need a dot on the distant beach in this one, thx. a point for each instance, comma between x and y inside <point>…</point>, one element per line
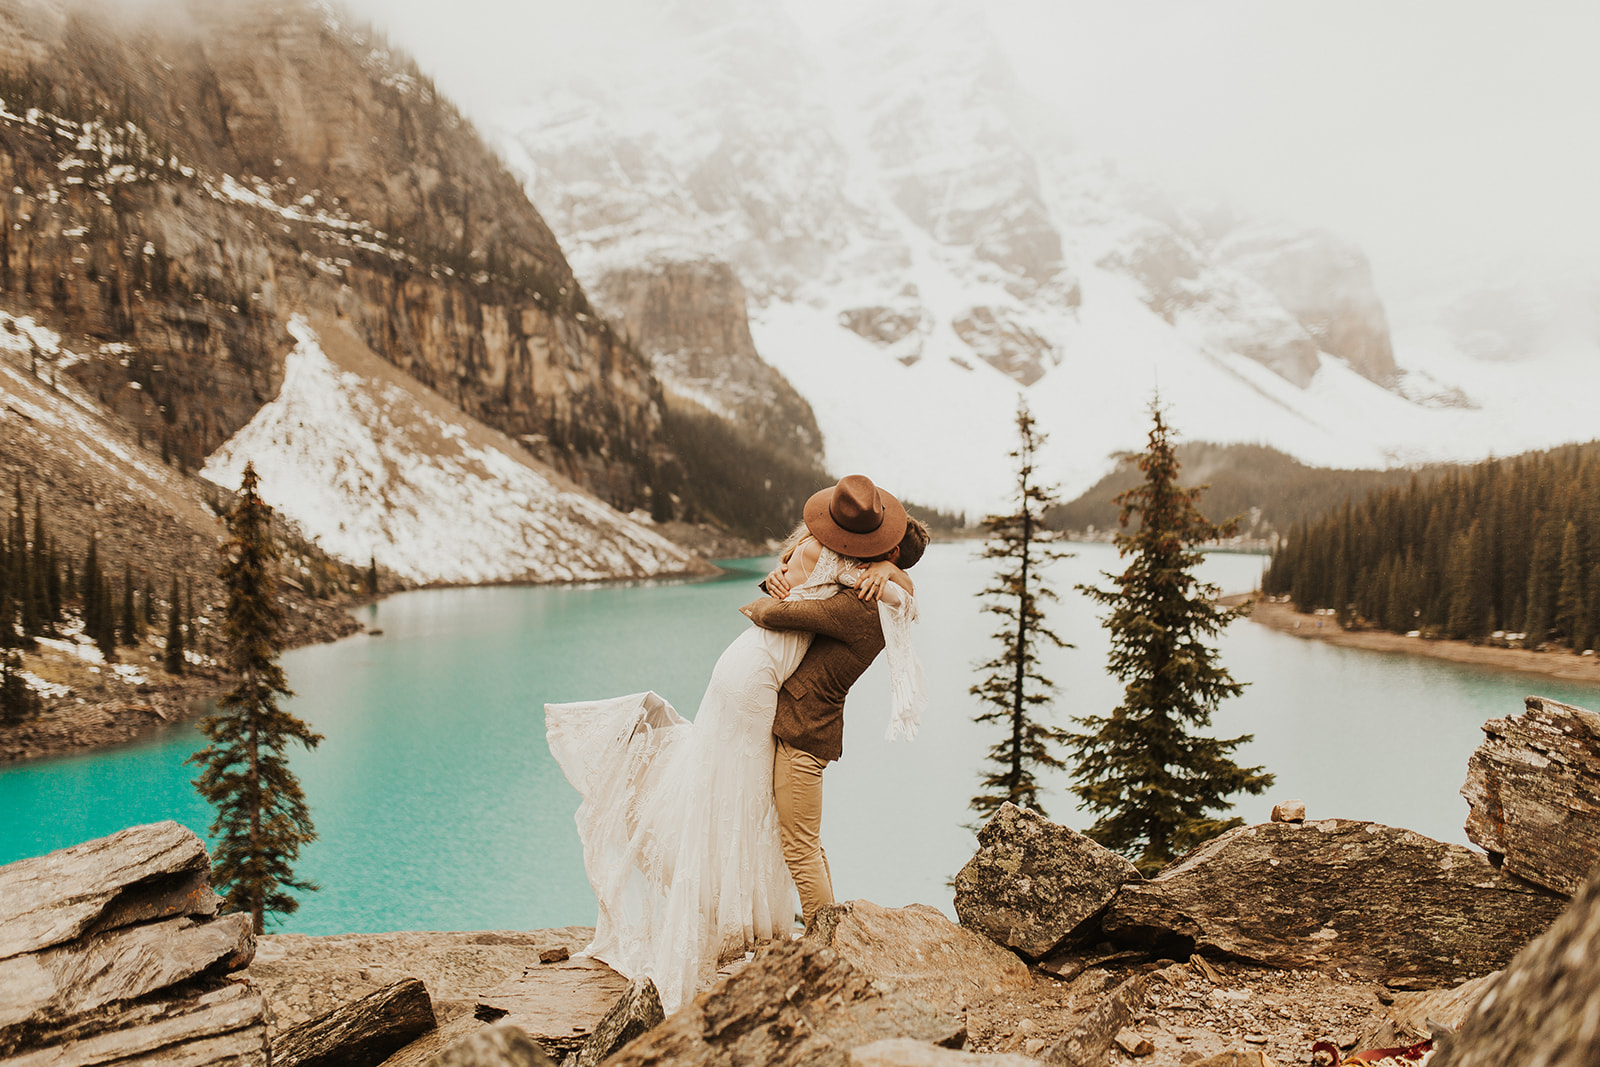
<point>1563,665</point>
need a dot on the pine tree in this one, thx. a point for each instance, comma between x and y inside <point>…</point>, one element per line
<point>91,589</point>
<point>1148,770</point>
<point>128,628</point>
<point>372,577</point>
<point>262,819</point>
<point>1012,687</point>
<point>172,661</point>
<point>1571,611</point>
<point>105,635</point>
<point>18,701</point>
<point>9,638</point>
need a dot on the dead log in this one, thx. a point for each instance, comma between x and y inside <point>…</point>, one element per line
<point>1533,793</point>
<point>1377,901</point>
<point>141,873</point>
<point>363,1033</point>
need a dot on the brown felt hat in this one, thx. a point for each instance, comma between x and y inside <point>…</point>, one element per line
<point>856,518</point>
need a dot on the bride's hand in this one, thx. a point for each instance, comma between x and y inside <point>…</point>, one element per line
<point>873,576</point>
<point>777,584</point>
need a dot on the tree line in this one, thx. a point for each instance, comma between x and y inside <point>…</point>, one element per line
<point>1507,547</point>
<point>46,592</point>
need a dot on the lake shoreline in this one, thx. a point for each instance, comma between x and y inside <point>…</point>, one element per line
<point>1562,665</point>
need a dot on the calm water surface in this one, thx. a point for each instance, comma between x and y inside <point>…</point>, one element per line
<point>438,805</point>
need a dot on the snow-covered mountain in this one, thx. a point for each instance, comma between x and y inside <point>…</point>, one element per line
<point>374,465</point>
<point>921,242</point>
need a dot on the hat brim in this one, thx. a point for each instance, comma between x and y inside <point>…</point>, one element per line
<point>847,542</point>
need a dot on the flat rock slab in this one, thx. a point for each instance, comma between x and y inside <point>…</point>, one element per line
<point>1545,1009</point>
<point>119,965</point>
<point>51,899</point>
<point>1533,793</point>
<point>224,1024</point>
<point>303,977</point>
<point>795,1003</point>
<point>1374,900</point>
<point>558,1004</point>
<point>1033,884</point>
<point>920,952</point>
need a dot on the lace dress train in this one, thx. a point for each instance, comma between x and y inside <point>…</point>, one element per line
<point>679,832</point>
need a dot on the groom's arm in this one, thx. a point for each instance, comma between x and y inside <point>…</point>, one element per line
<point>829,616</point>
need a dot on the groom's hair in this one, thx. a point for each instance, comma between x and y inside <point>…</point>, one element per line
<point>916,539</point>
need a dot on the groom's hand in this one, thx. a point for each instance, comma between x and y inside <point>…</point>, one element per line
<point>754,610</point>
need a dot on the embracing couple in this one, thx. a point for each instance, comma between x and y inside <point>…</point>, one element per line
<point>696,836</point>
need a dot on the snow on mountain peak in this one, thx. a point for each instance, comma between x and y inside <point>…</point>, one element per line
<point>371,464</point>
<point>921,241</point>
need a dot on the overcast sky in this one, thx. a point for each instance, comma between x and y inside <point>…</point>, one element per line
<point>1440,135</point>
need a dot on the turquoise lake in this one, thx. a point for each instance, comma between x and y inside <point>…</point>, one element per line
<point>439,808</point>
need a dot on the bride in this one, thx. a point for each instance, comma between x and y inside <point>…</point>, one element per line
<point>678,825</point>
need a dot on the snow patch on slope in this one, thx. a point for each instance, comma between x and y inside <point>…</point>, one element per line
<point>367,469</point>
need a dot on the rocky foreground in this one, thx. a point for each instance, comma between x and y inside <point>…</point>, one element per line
<point>1290,942</point>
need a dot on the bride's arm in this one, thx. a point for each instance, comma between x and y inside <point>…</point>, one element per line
<point>878,579</point>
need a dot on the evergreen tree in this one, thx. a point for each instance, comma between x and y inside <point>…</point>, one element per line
<point>105,634</point>
<point>1147,770</point>
<point>18,701</point>
<point>128,628</point>
<point>262,819</point>
<point>91,589</point>
<point>172,661</point>
<point>1012,687</point>
<point>1571,611</point>
<point>9,638</point>
<point>372,577</point>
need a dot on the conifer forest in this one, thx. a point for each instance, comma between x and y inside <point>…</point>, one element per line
<point>1504,551</point>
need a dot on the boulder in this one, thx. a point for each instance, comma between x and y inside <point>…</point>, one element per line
<point>1374,900</point>
<point>1545,1010</point>
<point>1533,788</point>
<point>795,1003</point>
<point>1034,886</point>
<point>362,1034</point>
<point>501,1045</point>
<point>637,1011</point>
<point>111,951</point>
<point>921,953</point>
<point>53,898</point>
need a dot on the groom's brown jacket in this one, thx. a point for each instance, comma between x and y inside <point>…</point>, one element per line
<point>810,713</point>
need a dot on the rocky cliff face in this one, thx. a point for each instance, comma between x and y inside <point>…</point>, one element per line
<point>178,186</point>
<point>689,319</point>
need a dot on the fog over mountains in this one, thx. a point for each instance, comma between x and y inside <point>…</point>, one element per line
<point>920,240</point>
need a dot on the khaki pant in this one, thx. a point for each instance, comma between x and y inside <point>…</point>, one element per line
<point>797,791</point>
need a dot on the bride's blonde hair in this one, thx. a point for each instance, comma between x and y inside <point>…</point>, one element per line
<point>792,542</point>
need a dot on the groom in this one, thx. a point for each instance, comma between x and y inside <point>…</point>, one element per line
<point>854,518</point>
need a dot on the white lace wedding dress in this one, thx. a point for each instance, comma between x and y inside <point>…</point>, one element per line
<point>679,831</point>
